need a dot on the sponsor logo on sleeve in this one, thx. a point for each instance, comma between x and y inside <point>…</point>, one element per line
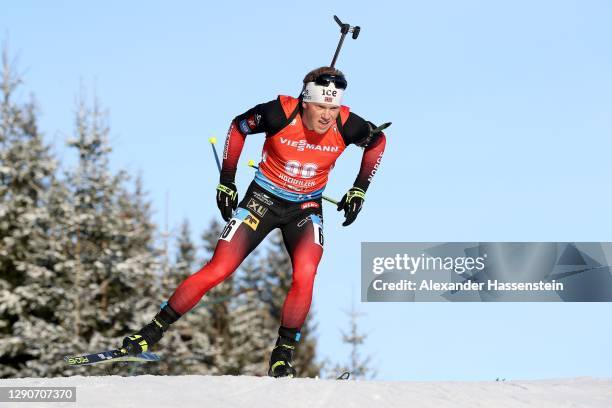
<point>244,127</point>
<point>252,122</point>
<point>227,141</point>
<point>375,169</point>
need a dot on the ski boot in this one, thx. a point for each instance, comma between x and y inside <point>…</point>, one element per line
<point>282,354</point>
<point>151,333</point>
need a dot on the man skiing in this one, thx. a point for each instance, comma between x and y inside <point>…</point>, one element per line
<point>304,137</point>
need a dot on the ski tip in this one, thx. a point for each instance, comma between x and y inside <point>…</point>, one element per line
<point>251,163</point>
<point>212,140</point>
<point>76,360</point>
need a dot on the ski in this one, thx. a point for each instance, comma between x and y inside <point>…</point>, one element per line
<point>344,376</point>
<point>109,356</point>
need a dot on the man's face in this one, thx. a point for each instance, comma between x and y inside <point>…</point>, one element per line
<point>319,116</point>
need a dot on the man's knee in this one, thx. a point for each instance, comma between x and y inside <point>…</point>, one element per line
<point>214,272</point>
<point>304,275</point>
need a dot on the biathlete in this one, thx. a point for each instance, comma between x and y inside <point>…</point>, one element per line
<point>304,137</point>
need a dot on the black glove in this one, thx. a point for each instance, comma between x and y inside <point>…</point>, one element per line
<point>351,203</point>
<point>227,199</point>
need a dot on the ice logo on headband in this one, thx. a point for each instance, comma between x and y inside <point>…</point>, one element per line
<point>322,94</point>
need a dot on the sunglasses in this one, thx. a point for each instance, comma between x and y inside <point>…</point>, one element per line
<point>325,79</point>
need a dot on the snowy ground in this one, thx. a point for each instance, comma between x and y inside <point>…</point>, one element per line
<point>263,392</point>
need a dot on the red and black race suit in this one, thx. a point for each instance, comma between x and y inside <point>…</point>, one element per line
<point>259,213</point>
<point>296,161</point>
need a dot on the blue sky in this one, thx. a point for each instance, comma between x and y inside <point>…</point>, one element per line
<point>501,131</point>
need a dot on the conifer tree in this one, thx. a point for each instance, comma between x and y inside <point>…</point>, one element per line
<point>186,347</point>
<point>186,252</point>
<point>80,269</point>
<point>217,304</point>
<point>358,365</point>
<point>249,320</point>
<point>112,262</point>
<point>31,207</point>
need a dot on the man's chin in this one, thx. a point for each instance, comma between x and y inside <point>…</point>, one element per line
<point>321,130</point>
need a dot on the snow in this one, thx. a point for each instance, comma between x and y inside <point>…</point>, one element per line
<point>264,392</point>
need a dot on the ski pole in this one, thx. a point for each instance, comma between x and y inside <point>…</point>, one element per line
<point>252,164</point>
<point>344,30</point>
<point>212,141</point>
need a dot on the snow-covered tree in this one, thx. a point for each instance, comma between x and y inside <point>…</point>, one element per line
<point>112,260</point>
<point>186,348</point>
<point>217,304</point>
<point>80,268</point>
<point>31,207</point>
<point>250,330</point>
<point>186,252</point>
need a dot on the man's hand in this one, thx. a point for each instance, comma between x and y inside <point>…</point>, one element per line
<point>227,199</point>
<point>351,203</point>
